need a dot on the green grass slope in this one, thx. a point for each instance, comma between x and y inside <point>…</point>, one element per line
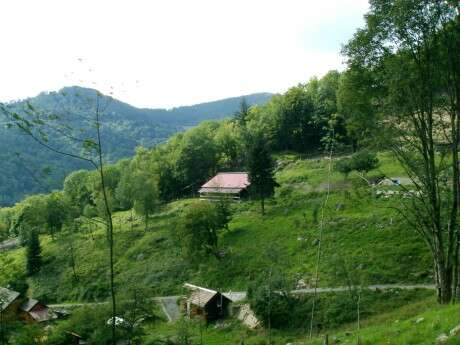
<point>416,323</point>
<point>402,326</point>
<point>364,241</point>
<point>363,237</point>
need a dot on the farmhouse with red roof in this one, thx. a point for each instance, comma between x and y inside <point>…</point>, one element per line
<point>226,184</point>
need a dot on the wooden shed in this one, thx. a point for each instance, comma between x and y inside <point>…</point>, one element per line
<point>10,302</point>
<point>33,311</point>
<point>232,185</point>
<point>208,304</point>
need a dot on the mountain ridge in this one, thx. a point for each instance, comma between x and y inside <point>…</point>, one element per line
<point>25,164</point>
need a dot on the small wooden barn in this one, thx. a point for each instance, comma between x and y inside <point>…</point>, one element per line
<point>73,338</point>
<point>232,185</point>
<point>208,304</point>
<point>33,311</point>
<point>10,303</point>
<point>16,308</point>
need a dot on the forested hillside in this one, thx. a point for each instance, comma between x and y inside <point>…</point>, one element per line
<point>27,169</point>
<point>354,184</point>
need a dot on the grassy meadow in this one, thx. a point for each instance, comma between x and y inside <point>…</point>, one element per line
<point>364,241</point>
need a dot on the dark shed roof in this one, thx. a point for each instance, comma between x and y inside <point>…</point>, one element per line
<point>28,304</point>
<point>201,296</point>
<point>7,297</point>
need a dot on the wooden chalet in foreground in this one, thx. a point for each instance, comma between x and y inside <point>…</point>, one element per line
<point>16,308</point>
<point>208,304</point>
<point>232,185</point>
<point>10,303</point>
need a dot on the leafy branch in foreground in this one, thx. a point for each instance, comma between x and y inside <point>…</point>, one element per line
<point>41,126</point>
<point>412,51</point>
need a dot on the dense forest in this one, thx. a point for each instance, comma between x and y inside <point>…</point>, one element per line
<point>304,119</point>
<point>27,169</point>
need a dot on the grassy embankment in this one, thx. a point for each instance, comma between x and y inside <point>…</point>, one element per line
<point>363,236</point>
<point>360,229</point>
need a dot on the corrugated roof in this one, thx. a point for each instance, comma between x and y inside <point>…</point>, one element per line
<point>200,296</point>
<point>235,180</point>
<point>43,315</point>
<point>28,304</point>
<point>7,297</point>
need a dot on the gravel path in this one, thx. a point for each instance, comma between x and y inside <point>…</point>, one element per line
<point>171,308</point>
<point>370,287</point>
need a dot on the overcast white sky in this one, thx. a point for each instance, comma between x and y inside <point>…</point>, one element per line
<point>164,53</point>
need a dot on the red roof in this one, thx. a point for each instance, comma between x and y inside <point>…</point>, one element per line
<point>233,180</point>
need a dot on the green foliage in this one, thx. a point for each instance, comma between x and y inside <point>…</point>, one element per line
<point>270,300</point>
<point>241,115</point>
<point>33,253</point>
<point>199,226</point>
<point>136,307</point>
<point>88,322</point>
<point>344,166</point>
<point>18,282</point>
<point>30,214</point>
<point>229,141</point>
<point>58,209</point>
<point>364,161</point>
<point>298,129</point>
<point>363,225</point>
<point>124,189</point>
<point>76,188</point>
<point>224,213</point>
<point>28,335</point>
<point>25,167</point>
<point>184,334</point>
<point>357,91</point>
<point>144,185</point>
<point>3,231</point>
<point>261,168</point>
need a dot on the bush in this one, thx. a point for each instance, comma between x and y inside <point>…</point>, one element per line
<point>3,231</point>
<point>364,161</point>
<point>88,322</point>
<point>199,225</point>
<point>27,335</point>
<point>272,303</point>
<point>344,166</point>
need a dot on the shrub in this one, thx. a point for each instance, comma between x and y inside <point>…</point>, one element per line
<point>88,322</point>
<point>364,161</point>
<point>199,225</point>
<point>344,166</point>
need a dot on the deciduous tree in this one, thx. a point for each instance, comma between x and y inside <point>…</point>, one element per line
<point>412,50</point>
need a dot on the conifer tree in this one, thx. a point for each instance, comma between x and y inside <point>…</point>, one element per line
<point>243,112</point>
<point>261,168</point>
<point>33,251</point>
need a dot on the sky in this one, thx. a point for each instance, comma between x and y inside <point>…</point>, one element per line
<point>166,53</point>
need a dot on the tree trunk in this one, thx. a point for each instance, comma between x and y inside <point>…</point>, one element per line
<point>444,277</point>
<point>72,262</point>
<point>131,220</point>
<point>108,212</point>
<point>262,204</point>
<point>2,328</point>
